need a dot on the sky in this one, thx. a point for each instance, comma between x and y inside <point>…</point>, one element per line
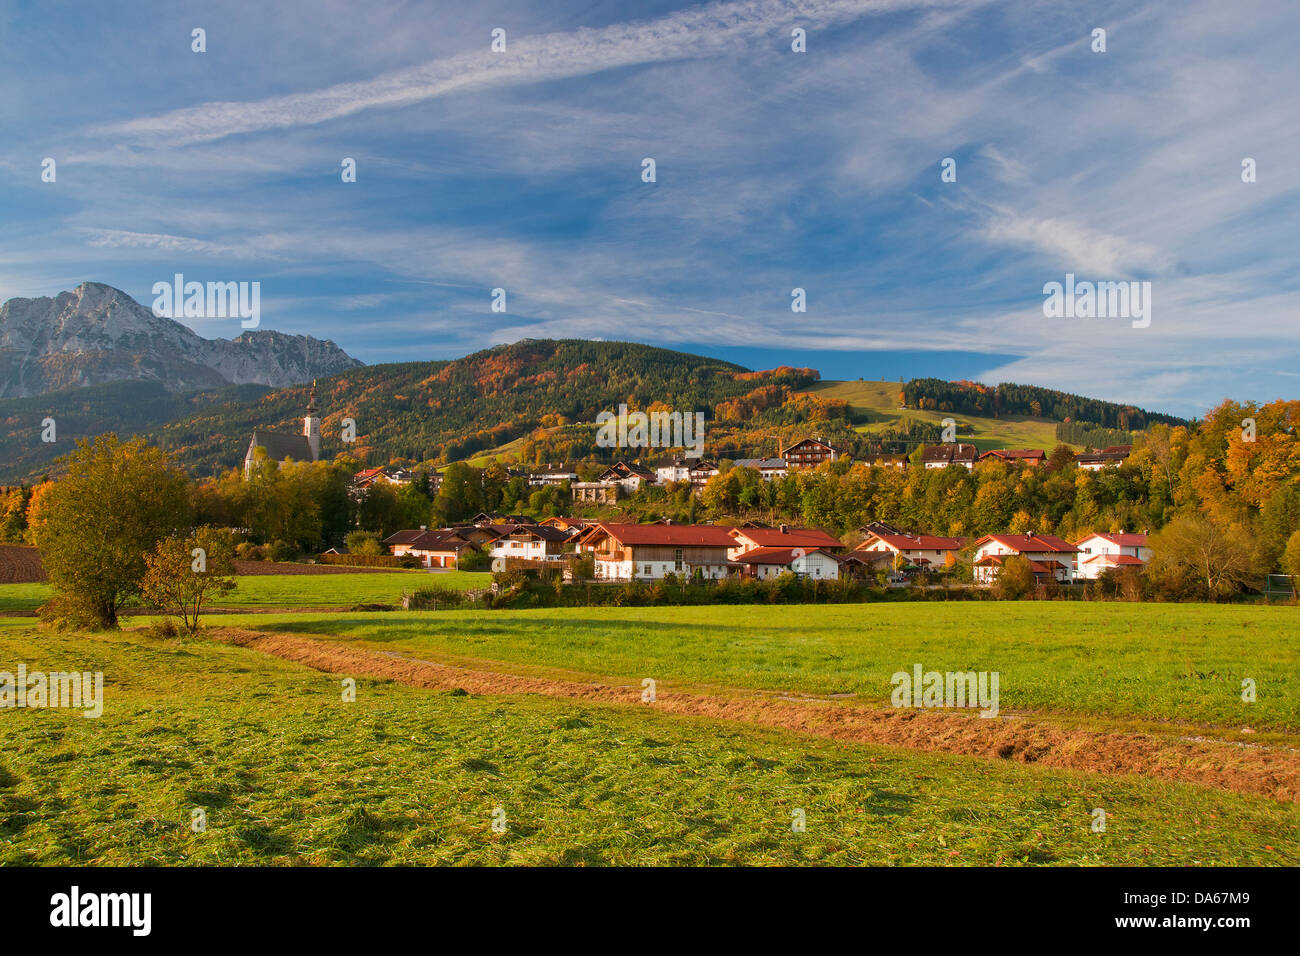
<point>774,170</point>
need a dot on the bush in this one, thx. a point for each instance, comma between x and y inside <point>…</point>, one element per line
<point>434,597</point>
<point>363,543</point>
<point>474,560</point>
<point>283,551</point>
<point>1015,579</point>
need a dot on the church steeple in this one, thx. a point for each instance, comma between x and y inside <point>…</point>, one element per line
<point>311,424</point>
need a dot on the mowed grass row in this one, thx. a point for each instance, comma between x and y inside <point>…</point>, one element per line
<point>1183,663</point>
<point>286,772</point>
<point>294,590</point>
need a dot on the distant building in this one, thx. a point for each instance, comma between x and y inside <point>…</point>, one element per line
<point>280,447</point>
<point>1101,552</point>
<point>625,552</point>
<point>1108,457</point>
<point>434,549</point>
<point>769,468</point>
<point>765,563</point>
<point>810,452</point>
<point>949,454</point>
<point>920,550</point>
<point>1027,456</point>
<point>1050,557</point>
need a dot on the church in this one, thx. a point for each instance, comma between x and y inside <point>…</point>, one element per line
<point>280,447</point>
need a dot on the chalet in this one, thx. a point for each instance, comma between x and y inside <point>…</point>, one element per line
<point>531,542</point>
<point>917,550</point>
<point>768,468</point>
<point>1100,552</point>
<point>948,454</point>
<point>673,469</point>
<point>815,563</point>
<point>809,453</point>
<point>1108,457</point>
<point>1024,456</point>
<point>701,473</point>
<point>1051,558</point>
<point>628,474</point>
<point>746,539</point>
<point>624,552</point>
<point>435,549</point>
<point>279,447</point>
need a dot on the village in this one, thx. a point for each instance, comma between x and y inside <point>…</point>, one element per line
<point>622,552</point>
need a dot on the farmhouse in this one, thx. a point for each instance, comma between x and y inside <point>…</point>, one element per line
<point>1024,456</point>
<point>279,447</point>
<point>435,549</point>
<point>623,552</point>
<point>768,468</point>
<point>701,472</point>
<point>628,474</point>
<point>816,563</point>
<point>1100,552</point>
<point>948,454</point>
<point>531,542</point>
<point>809,453</point>
<point>920,550</point>
<point>746,539</point>
<point>1108,457</point>
<point>1051,558</point>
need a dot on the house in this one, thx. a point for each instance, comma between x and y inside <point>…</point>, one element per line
<point>1050,557</point>
<point>624,552</point>
<point>701,472</point>
<point>628,474</point>
<point>280,447</point>
<point>1109,457</point>
<point>879,527</point>
<point>948,454</point>
<point>363,480</point>
<point>768,468</point>
<point>1100,552</point>
<point>746,539</point>
<point>569,526</point>
<point>918,550</point>
<point>1024,456</point>
<point>435,549</point>
<point>897,462</point>
<point>673,469</point>
<point>551,476</point>
<point>531,542</point>
<point>809,453</point>
<point>815,563</point>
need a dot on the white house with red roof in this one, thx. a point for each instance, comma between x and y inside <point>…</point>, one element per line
<point>1050,557</point>
<point>922,550</point>
<point>815,563</point>
<point>624,552</point>
<point>1102,551</point>
<point>746,539</point>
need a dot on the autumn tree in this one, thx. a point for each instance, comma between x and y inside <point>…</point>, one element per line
<point>1015,579</point>
<point>185,573</point>
<point>96,524</point>
<point>1194,554</point>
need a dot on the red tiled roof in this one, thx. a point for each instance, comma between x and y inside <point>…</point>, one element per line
<point>678,535</point>
<point>1014,453</point>
<point>1116,559</point>
<point>791,537</point>
<point>1030,542</point>
<point>919,542</point>
<point>1122,539</point>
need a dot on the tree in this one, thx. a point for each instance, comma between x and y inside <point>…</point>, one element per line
<point>182,574</point>
<point>1291,557</point>
<point>1015,579</point>
<point>1194,553</point>
<point>95,525</point>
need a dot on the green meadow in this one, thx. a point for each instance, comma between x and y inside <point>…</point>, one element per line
<point>286,772</point>
<point>1177,663</point>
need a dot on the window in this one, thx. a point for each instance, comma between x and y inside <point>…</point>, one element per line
<point>645,569</point>
<point>677,559</point>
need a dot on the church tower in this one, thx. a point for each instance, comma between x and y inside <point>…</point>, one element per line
<point>311,425</point>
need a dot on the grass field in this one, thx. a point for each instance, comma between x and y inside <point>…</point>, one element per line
<point>879,400</point>
<point>1137,662</point>
<point>286,772</point>
<point>293,590</point>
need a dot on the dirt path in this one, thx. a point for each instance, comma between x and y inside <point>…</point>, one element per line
<point>1260,770</point>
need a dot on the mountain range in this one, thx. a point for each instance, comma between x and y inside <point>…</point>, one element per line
<point>97,334</point>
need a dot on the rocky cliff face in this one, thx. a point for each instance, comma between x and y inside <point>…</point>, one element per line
<point>97,334</point>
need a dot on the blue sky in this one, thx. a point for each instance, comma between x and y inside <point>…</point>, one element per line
<point>819,170</point>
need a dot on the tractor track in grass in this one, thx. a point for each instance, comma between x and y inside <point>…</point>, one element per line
<point>1258,770</point>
